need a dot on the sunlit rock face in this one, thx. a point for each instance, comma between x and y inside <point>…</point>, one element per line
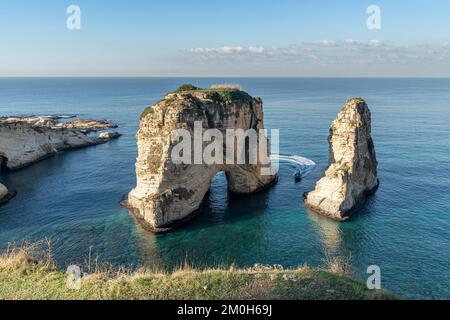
<point>352,173</point>
<point>3,191</point>
<point>167,194</point>
<point>26,140</point>
<point>5,194</point>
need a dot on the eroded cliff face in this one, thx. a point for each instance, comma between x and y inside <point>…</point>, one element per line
<point>352,173</point>
<point>25,140</point>
<point>167,194</point>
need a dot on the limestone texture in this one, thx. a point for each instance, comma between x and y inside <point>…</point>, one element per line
<point>26,140</point>
<point>167,194</point>
<point>3,191</point>
<point>352,172</point>
<point>5,194</point>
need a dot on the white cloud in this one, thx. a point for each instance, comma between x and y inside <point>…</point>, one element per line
<point>314,57</point>
<point>256,49</point>
<point>228,50</point>
<point>346,43</point>
<point>323,43</point>
<point>351,42</point>
<point>376,43</point>
<point>323,53</point>
<point>328,43</point>
<point>355,43</point>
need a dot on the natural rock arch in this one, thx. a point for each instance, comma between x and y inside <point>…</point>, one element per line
<point>169,193</point>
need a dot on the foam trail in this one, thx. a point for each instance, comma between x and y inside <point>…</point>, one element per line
<point>303,166</point>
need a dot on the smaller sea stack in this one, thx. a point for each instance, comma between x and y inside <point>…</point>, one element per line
<point>352,173</point>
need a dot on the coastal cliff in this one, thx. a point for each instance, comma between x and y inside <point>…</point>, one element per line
<point>26,140</point>
<point>167,193</point>
<point>352,173</point>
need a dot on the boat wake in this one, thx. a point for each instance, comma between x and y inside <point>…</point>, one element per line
<point>301,166</point>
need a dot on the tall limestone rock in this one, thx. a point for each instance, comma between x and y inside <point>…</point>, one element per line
<point>168,193</point>
<point>352,173</point>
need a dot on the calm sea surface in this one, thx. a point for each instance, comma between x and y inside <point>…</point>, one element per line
<point>73,198</point>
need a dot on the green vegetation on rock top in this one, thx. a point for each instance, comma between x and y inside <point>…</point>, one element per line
<point>146,111</point>
<point>187,87</point>
<point>217,94</point>
<point>356,100</point>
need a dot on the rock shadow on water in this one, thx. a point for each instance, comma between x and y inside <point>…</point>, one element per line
<point>217,236</point>
<point>350,241</point>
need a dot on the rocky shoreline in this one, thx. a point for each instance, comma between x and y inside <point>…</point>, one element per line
<point>25,140</point>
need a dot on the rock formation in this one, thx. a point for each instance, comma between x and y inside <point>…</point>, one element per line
<point>5,194</point>
<point>167,193</point>
<point>88,125</point>
<point>352,173</point>
<point>25,140</point>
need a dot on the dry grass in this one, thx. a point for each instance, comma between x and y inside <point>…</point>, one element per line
<point>338,264</point>
<point>29,272</point>
<point>28,253</point>
<point>227,86</point>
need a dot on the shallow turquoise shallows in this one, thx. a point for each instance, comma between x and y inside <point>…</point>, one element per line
<point>73,198</point>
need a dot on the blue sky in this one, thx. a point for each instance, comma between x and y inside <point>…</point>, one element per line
<point>225,38</point>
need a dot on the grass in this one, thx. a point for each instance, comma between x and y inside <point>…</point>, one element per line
<point>219,93</point>
<point>356,100</point>
<point>146,111</point>
<point>25,275</point>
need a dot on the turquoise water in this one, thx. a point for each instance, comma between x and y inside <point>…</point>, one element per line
<point>73,198</point>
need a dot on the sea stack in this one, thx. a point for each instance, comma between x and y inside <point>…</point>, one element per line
<point>352,173</point>
<point>167,193</point>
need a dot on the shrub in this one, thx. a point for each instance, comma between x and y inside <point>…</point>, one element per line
<point>187,87</point>
<point>146,112</point>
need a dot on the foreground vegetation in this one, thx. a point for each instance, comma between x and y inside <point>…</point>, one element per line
<point>22,276</point>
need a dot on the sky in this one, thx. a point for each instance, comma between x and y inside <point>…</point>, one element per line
<point>232,38</point>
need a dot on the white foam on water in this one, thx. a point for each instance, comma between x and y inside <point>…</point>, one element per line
<point>303,165</point>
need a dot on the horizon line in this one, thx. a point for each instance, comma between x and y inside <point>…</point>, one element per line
<point>224,77</point>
